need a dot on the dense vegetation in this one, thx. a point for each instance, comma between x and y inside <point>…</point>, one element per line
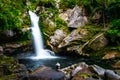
<point>10,15</point>
<point>12,11</point>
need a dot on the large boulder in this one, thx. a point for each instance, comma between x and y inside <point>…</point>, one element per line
<point>111,75</point>
<point>111,54</point>
<point>77,17</point>
<point>10,69</point>
<point>83,71</point>
<point>83,37</point>
<point>58,36</point>
<point>21,72</point>
<point>56,39</point>
<point>46,73</point>
<point>76,35</point>
<point>98,42</point>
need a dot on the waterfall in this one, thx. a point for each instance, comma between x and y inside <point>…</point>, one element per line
<point>41,53</point>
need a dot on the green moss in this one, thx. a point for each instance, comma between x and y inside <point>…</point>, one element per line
<point>8,65</point>
<point>6,60</point>
<point>85,75</point>
<point>89,29</point>
<point>60,22</point>
<point>9,77</point>
<point>65,29</point>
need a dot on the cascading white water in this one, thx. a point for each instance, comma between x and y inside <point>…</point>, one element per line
<point>41,53</point>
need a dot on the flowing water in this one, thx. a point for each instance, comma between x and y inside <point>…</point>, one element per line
<point>41,53</point>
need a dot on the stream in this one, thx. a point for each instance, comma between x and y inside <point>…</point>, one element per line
<point>64,61</point>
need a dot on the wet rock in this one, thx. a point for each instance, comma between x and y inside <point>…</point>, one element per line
<point>111,54</point>
<point>77,17</point>
<point>68,70</point>
<point>46,73</point>
<point>97,69</point>
<point>58,36</point>
<point>80,66</point>
<point>39,69</point>
<point>82,72</point>
<point>21,72</point>
<point>117,71</point>
<point>111,75</point>
<point>98,42</point>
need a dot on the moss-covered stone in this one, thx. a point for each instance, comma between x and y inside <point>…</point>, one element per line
<point>10,69</point>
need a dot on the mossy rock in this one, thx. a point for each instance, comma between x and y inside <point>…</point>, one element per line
<point>8,68</point>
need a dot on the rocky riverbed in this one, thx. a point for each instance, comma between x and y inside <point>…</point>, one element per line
<point>12,70</point>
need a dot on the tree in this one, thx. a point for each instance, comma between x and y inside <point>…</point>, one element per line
<point>11,11</point>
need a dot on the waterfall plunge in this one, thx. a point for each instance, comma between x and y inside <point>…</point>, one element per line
<point>41,53</point>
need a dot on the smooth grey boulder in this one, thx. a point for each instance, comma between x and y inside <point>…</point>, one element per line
<point>111,75</point>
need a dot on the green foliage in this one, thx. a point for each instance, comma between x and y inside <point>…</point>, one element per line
<point>49,12</point>
<point>113,11</point>
<point>71,3</point>
<point>64,4</point>
<point>6,60</point>
<point>65,29</point>
<point>60,22</point>
<point>46,28</point>
<point>47,3</point>
<point>10,14</point>
<point>114,32</point>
